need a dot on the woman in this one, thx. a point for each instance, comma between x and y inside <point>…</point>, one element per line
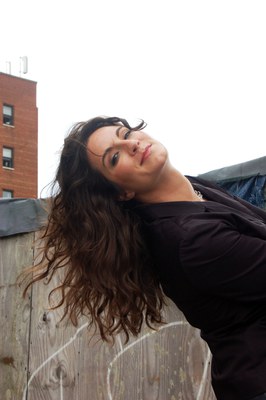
<point>118,187</point>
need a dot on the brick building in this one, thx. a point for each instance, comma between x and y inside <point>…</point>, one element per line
<point>18,137</point>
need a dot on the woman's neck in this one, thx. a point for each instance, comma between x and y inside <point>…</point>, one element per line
<point>171,186</point>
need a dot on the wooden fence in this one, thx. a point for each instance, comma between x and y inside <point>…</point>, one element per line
<point>42,359</point>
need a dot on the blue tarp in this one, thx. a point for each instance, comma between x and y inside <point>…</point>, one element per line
<point>250,189</point>
<point>245,180</point>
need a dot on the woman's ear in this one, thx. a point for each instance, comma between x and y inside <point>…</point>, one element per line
<point>125,196</point>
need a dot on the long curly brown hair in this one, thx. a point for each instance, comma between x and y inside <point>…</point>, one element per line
<point>108,273</point>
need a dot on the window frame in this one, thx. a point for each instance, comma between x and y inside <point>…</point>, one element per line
<point>11,117</point>
<point>10,191</point>
<point>8,159</point>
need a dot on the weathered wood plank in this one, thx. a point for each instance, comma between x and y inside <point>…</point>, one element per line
<point>156,365</point>
<point>15,253</point>
<point>73,363</point>
<point>68,363</point>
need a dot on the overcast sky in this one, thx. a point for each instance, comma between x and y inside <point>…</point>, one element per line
<point>195,71</point>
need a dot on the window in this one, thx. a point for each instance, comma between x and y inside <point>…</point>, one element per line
<point>8,115</point>
<point>7,194</point>
<point>8,157</point>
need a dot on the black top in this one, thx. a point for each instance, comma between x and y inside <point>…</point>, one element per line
<point>211,259</point>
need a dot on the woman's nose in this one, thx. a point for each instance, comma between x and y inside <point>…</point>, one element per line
<point>131,145</point>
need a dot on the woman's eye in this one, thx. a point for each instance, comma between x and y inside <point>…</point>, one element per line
<point>114,159</point>
<point>127,134</point>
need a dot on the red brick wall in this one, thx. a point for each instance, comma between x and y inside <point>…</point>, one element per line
<point>23,137</point>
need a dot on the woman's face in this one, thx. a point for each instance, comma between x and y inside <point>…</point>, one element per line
<point>131,159</point>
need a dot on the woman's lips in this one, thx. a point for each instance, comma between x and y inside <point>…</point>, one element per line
<point>145,153</point>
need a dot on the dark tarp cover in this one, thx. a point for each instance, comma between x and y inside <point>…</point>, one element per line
<point>21,216</point>
<point>250,189</point>
<point>246,180</point>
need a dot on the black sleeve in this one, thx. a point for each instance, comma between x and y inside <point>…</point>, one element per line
<point>220,260</point>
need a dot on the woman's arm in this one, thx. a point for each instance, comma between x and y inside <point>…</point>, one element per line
<point>219,259</point>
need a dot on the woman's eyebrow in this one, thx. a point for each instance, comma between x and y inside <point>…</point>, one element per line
<point>110,148</point>
<point>118,130</point>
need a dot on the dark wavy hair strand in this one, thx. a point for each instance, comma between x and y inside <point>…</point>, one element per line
<point>107,271</point>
